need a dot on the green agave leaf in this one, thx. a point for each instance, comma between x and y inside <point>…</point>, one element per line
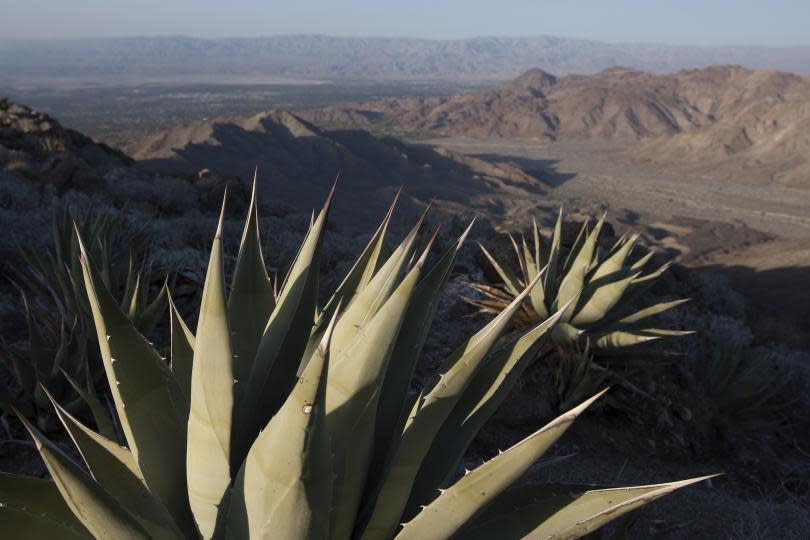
<point>426,420</point>
<point>485,393</point>
<point>284,488</point>
<point>454,507</point>
<point>98,511</point>
<point>576,247</point>
<point>574,279</point>
<point>363,270</point>
<point>614,264</point>
<point>538,244</point>
<point>520,259</point>
<point>407,350</point>
<point>550,279</point>
<point>182,351</point>
<point>516,512</point>
<point>618,339</point>
<point>528,260</point>
<point>601,301</point>
<point>251,299</point>
<point>368,301</point>
<point>208,454</point>
<point>642,261</point>
<point>594,509</point>
<point>100,415</point>
<point>283,343</point>
<point>146,318</point>
<point>133,277</point>
<point>509,279</point>
<point>537,294</point>
<point>146,396</point>
<point>652,310</point>
<point>34,509</point>
<point>352,399</point>
<point>114,468</point>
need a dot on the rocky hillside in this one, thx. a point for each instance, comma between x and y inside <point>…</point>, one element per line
<point>768,140</point>
<point>617,103</point>
<point>41,160</point>
<point>298,162</point>
<point>720,121</point>
<point>35,146</point>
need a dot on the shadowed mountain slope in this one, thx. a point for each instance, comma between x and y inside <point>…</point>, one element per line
<point>298,161</point>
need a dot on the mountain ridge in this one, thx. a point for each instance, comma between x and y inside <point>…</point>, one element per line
<point>319,57</point>
<point>720,121</point>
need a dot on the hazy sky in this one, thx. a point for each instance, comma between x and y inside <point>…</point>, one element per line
<point>764,22</point>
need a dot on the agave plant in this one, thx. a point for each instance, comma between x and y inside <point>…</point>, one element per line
<point>279,419</point>
<point>598,290</point>
<point>61,354</point>
<point>748,388</point>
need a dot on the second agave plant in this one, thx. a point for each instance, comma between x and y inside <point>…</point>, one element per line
<point>597,290</point>
<point>282,419</point>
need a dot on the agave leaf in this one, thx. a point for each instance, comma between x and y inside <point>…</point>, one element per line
<point>538,244</point>
<point>550,279</point>
<point>284,488</point>
<point>574,279</point>
<point>147,317</point>
<point>652,310</point>
<point>520,259</point>
<point>621,338</point>
<point>576,246</point>
<point>352,399</point>
<point>132,311</point>
<point>364,268</point>
<point>146,396</point>
<point>182,351</point>
<point>458,504</point>
<point>610,267</point>
<point>406,353</point>
<point>98,511</point>
<point>478,403</point>
<point>114,468</point>
<point>130,287</point>
<point>537,295</point>
<point>509,279</point>
<point>426,420</point>
<point>283,343</point>
<point>101,417</point>
<point>371,298</point>
<point>516,512</point>
<point>595,508</point>
<point>251,299</point>
<point>208,457</point>
<point>601,301</point>
<point>642,261</point>
<point>34,509</point>
<point>531,266</point>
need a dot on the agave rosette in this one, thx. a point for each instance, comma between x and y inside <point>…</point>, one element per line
<point>280,419</point>
<point>598,290</point>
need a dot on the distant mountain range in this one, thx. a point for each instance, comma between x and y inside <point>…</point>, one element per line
<point>721,121</point>
<point>316,57</point>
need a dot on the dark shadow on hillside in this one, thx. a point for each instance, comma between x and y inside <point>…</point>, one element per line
<point>544,169</point>
<point>777,301</point>
<point>298,163</point>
